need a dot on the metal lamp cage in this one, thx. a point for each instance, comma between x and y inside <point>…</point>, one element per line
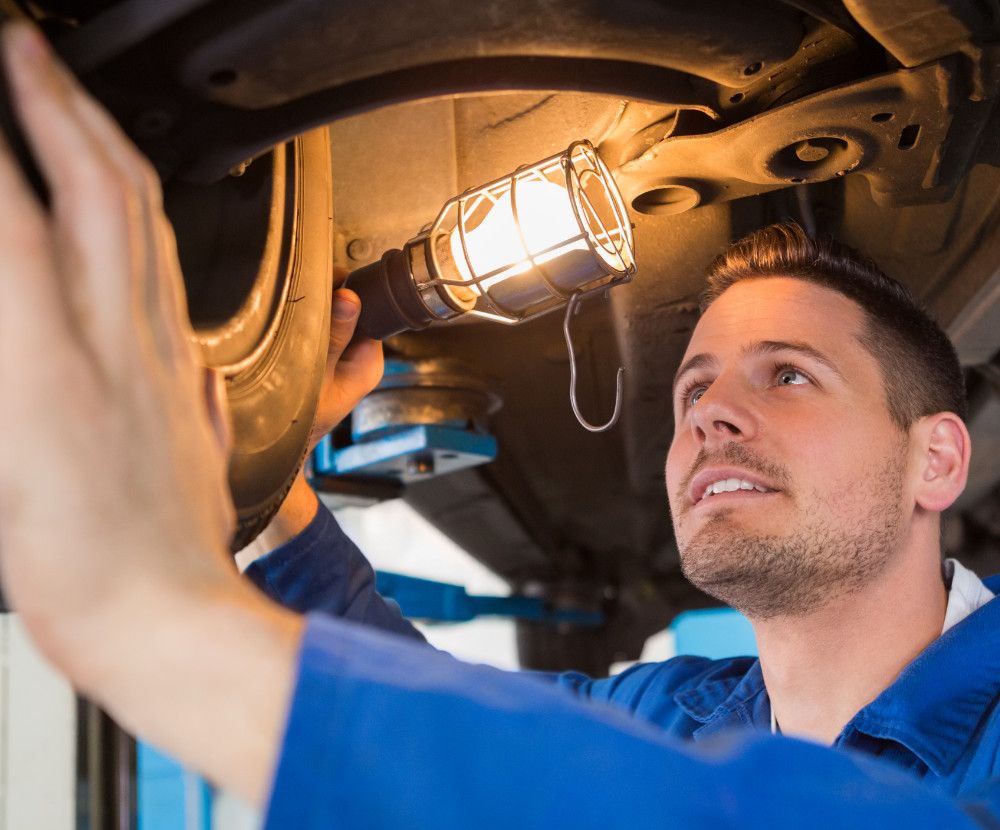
<point>596,251</point>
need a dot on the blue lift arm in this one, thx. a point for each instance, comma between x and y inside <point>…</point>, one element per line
<point>425,599</point>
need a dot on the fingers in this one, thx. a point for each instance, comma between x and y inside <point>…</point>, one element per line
<point>356,361</point>
<point>162,292</point>
<point>360,368</point>
<point>343,319</point>
<point>105,206</point>
<point>24,235</point>
<point>353,365</point>
<point>35,316</point>
<point>33,323</point>
<point>77,175</point>
<point>44,88</point>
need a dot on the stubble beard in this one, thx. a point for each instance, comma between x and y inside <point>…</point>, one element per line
<point>821,559</point>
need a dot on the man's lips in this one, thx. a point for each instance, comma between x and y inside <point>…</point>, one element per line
<point>721,478</point>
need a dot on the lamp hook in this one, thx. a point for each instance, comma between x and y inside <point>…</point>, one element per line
<point>571,307</point>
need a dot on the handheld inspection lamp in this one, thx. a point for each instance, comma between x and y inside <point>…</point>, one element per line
<point>509,250</point>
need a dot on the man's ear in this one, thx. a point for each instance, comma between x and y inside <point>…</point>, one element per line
<point>943,463</point>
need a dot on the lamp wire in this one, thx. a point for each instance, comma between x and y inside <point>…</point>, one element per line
<point>571,308</point>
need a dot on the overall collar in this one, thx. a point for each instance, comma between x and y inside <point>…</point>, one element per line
<point>726,700</point>
<point>935,705</point>
<point>932,708</point>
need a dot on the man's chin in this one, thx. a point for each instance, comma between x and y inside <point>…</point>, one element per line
<point>718,551</point>
<point>738,566</point>
<point>730,525</point>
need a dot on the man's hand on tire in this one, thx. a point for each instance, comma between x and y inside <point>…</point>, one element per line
<point>115,512</point>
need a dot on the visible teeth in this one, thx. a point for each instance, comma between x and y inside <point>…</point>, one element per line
<point>730,485</point>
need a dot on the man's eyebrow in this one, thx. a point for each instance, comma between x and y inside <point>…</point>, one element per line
<point>771,346</point>
<point>704,359</point>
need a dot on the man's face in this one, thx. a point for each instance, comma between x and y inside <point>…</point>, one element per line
<point>776,394</point>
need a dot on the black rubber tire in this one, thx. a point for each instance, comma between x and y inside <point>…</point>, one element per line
<point>274,387</point>
<point>273,401</point>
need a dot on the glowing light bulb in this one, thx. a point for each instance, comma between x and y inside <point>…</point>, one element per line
<point>497,250</point>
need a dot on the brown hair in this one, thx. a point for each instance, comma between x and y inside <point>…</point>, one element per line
<point>920,369</point>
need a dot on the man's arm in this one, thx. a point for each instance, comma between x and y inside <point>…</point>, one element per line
<point>130,590</point>
<point>321,569</point>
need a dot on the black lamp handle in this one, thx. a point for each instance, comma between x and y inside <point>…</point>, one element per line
<point>390,303</point>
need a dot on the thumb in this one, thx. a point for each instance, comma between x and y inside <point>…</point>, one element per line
<point>343,319</point>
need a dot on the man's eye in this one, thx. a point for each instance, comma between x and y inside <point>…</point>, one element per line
<point>693,394</point>
<point>791,377</point>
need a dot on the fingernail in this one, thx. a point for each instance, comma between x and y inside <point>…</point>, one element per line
<point>344,309</point>
<point>27,43</point>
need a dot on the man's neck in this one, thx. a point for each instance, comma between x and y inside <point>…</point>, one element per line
<point>822,668</point>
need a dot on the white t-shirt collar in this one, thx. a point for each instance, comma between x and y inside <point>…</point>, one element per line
<point>966,594</point>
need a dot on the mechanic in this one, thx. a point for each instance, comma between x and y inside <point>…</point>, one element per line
<point>114,519</point>
<point>839,508</point>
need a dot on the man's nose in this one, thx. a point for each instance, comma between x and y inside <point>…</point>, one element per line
<point>723,413</point>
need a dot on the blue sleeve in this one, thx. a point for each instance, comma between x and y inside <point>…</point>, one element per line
<point>646,690</point>
<point>321,569</point>
<point>383,734</point>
